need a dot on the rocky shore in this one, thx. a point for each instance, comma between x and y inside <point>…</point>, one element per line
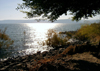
<point>25,62</point>
<point>54,60</point>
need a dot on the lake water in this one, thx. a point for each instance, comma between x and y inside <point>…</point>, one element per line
<point>25,44</point>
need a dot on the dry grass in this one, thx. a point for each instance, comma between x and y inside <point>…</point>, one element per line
<point>95,40</point>
<point>69,50</point>
<point>79,48</point>
<point>42,62</point>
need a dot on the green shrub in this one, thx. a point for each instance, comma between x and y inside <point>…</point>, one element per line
<point>54,39</point>
<point>70,34</point>
<point>5,41</point>
<point>86,33</point>
<point>89,32</point>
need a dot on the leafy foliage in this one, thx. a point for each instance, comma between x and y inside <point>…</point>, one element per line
<point>53,9</point>
<point>54,40</point>
<point>5,41</point>
<point>70,34</point>
<point>89,32</point>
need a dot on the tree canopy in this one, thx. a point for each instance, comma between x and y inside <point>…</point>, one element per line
<point>53,9</point>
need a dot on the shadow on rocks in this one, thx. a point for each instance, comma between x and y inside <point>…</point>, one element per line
<point>85,65</point>
<point>96,53</point>
<point>49,67</point>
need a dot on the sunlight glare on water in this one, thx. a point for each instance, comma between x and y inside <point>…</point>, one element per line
<point>41,29</point>
<point>27,43</point>
<point>38,34</point>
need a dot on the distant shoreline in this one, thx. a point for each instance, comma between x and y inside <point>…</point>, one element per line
<point>46,21</point>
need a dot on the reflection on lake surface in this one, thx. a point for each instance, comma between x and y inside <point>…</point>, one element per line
<point>39,31</point>
<point>27,35</point>
<point>37,34</point>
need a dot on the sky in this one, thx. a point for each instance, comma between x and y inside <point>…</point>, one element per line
<point>8,11</point>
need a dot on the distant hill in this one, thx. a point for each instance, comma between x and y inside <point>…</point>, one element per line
<point>69,21</point>
<point>19,21</point>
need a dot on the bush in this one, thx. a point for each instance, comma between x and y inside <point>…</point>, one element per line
<point>89,32</point>
<point>5,41</point>
<point>70,34</point>
<point>54,39</point>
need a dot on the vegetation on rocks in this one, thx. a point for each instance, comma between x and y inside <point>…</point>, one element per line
<point>75,57</point>
<point>55,40</point>
<point>87,32</point>
<point>5,41</point>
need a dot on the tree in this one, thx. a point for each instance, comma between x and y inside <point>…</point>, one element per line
<point>53,9</point>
